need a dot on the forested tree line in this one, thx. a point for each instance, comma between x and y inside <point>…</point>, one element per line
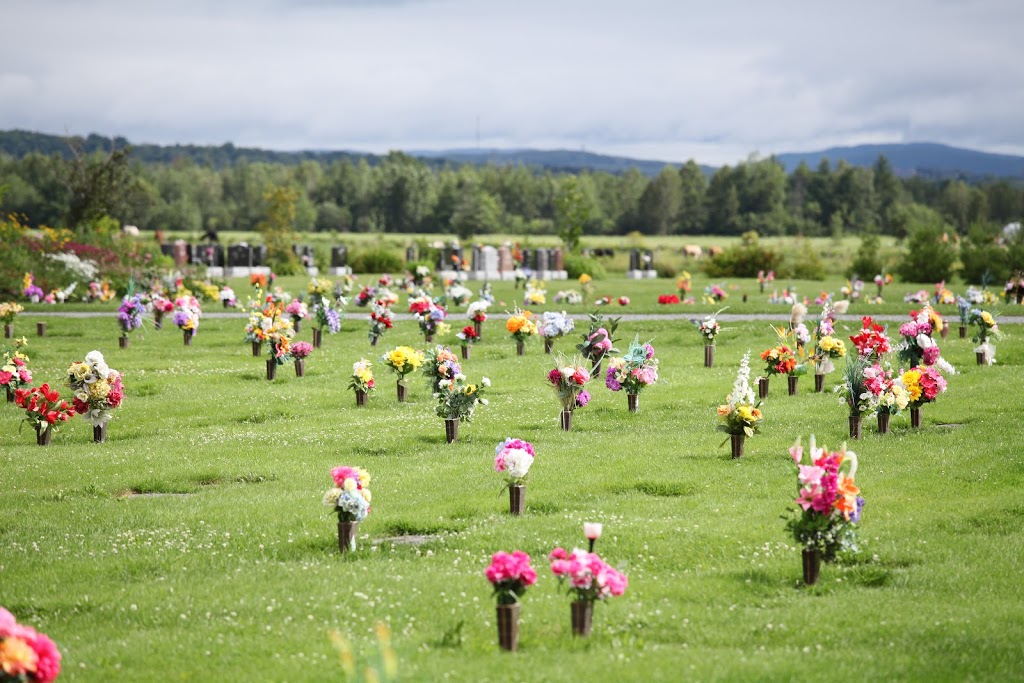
<point>402,194</point>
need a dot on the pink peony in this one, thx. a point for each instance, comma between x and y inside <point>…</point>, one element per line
<point>5,377</point>
<point>555,376</point>
<point>340,474</point>
<point>48,663</point>
<point>931,354</point>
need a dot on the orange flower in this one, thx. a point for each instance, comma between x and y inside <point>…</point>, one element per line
<point>724,410</point>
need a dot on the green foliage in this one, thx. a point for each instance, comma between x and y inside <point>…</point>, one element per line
<point>803,262</point>
<point>379,259</point>
<point>982,258</point>
<point>744,259</point>
<point>929,255</point>
<point>571,212</point>
<point>576,265</point>
<point>868,261</point>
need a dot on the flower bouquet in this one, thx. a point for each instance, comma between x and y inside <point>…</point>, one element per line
<point>568,296</point>
<point>14,372</point>
<point>881,281</point>
<point>343,287</point>
<point>456,401</point>
<point>871,342</point>
<point>402,360</point>
<point>764,278</point>
<point>569,379</point>
<point>258,281</point>
<point>709,330</point>
<point>298,311</point>
<point>25,654</point>
<point>97,392</point>
<point>187,312</point>
<point>554,325</point>
<point>666,299</point>
<point>918,345</point>
<point>458,294</point>
<point>300,352</point>
<point>853,288</point>
<point>599,340</point>
<point>380,321</point>
<point>886,393</point>
<point>9,310</point>
<point>781,359</point>
<point>635,371</point>
<point>514,457</point>
<point>325,315</point>
<point>477,312</point>
<point>923,385</point>
<point>715,294</point>
<point>589,579</point>
<point>43,410</point>
<point>510,574</point>
<point>422,277</point>
<point>440,363</point>
<point>827,347</point>
<point>740,416</point>
<point>362,380</point>
<point>161,306</point>
<point>467,337</point>
<point>227,297</point>
<point>535,294</point>
<point>366,295</point>
<point>350,498</point>
<point>828,505</point>
<point>129,317</point>
<point>521,326</point>
<point>684,284</point>
<point>430,317</point>
<point>319,287</point>
<point>988,329</point>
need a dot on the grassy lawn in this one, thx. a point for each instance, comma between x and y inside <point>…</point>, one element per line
<point>234,572</point>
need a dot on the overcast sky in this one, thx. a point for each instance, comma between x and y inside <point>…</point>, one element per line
<point>658,79</point>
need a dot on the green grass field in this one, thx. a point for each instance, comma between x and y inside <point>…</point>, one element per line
<point>233,573</point>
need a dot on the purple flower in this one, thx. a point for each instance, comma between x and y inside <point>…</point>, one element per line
<point>855,515</point>
<point>333,321</point>
<point>610,381</point>
<point>648,351</point>
<point>583,398</point>
<point>180,318</point>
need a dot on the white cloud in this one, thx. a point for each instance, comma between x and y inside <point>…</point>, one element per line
<point>656,78</point>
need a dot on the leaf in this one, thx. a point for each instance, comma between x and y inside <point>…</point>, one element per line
<point>748,431</point>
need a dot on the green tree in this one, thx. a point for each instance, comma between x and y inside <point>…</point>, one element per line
<point>929,255</point>
<point>476,212</point>
<point>691,215</point>
<point>571,212</point>
<point>278,229</point>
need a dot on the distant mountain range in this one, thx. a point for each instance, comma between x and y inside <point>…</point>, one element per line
<point>926,159</point>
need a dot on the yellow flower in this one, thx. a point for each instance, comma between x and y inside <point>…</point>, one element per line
<point>584,279</point>
<point>746,413</point>
<point>987,318</point>
<point>79,370</point>
<point>470,389</point>
<point>99,389</point>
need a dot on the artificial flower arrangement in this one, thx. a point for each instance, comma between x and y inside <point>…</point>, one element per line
<point>708,328</point>
<point>325,314</point>
<point>944,295</point>
<point>535,294</point>
<point>827,347</point>
<point>568,296</point>
<point>129,314</point>
<point>740,415</point>
<point>569,380</point>
<point>14,372</point>
<point>510,574</point>
<point>468,336</point>
<point>319,286</point>
<point>1013,291</point>
<point>634,371</point>
<point>385,280</point>
<point>99,291</point>
<point>161,306</point>
<point>31,290</point>
<point>344,285</point>
<point>366,296</point>
<point>588,579</point>
<point>187,312</point>
<point>430,316</point>
<point>513,458</point>
<point>350,498</point>
<point>852,290</point>
<point>362,381</point>
<point>553,325</point>
<point>98,390</point>
<point>887,395</point>
<point>781,359</point>
<point>684,284</point>
<point>521,326</point>
<point>919,297</point>
<point>871,342</point>
<point>297,311</point>
<point>300,351</point>
<point>918,345</point>
<point>9,310</point>
<point>258,281</point>
<point>587,284</point>
<point>923,385</point>
<point>882,281</point>
<point>477,311</point>
<point>764,278</point>
<point>667,299</point>
<point>987,330</point>
<point>599,340</point>
<point>457,400</point>
<point>439,363</point>
<point>458,294</point>
<point>44,408</point>
<point>714,294</point>
<point>25,654</point>
<point>486,292</point>
<point>227,297</point>
<point>380,321</point>
<point>828,505</point>
<point>422,277</point>
<point>403,360</point>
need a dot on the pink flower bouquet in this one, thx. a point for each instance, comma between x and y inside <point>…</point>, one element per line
<point>588,576</point>
<point>510,574</point>
<point>26,654</point>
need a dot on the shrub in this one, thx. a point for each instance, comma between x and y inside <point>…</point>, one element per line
<point>983,259</point>
<point>576,265</point>
<point>744,259</point>
<point>666,269</point>
<point>803,262</point>
<point>376,260</point>
<point>868,262</point>
<point>929,256</point>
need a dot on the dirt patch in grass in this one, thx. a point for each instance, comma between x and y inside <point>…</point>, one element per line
<point>663,489</point>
